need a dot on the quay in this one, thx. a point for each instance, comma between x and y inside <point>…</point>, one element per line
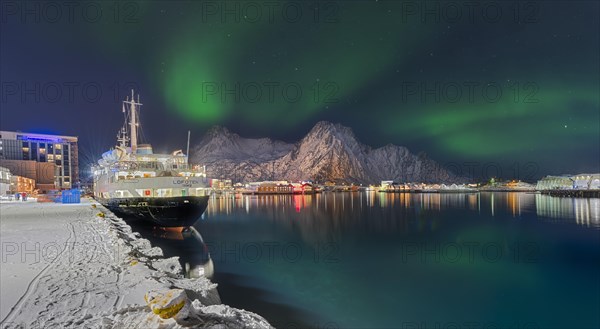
<point>79,265</point>
<point>573,193</point>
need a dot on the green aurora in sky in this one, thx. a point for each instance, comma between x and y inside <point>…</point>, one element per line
<point>351,63</point>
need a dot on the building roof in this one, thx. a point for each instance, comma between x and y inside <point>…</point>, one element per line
<point>14,134</point>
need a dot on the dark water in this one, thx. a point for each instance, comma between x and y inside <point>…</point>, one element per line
<point>371,260</point>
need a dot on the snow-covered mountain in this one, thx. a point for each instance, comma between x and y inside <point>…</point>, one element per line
<point>329,152</point>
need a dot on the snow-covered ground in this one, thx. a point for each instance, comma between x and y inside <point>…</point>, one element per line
<point>77,265</point>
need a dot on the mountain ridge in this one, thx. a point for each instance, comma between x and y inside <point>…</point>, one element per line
<point>328,152</point>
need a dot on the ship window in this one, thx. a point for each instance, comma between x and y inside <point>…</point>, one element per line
<point>123,193</point>
<point>164,192</point>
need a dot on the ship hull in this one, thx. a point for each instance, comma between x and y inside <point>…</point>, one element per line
<point>165,212</point>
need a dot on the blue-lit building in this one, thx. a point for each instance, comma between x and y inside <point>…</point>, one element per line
<point>62,151</point>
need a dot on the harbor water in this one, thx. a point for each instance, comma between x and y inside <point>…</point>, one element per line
<point>406,260</point>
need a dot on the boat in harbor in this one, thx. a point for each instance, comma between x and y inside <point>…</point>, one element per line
<point>134,182</point>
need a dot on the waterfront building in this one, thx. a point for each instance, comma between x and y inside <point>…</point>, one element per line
<point>280,187</point>
<point>570,182</point>
<point>43,173</point>
<point>20,184</point>
<point>5,176</point>
<point>221,184</point>
<point>59,151</point>
<point>269,187</point>
<point>301,188</point>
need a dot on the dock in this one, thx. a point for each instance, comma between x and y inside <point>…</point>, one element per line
<point>573,193</point>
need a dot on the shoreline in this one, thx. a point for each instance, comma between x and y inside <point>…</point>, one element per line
<point>555,193</point>
<point>572,193</point>
<point>79,264</point>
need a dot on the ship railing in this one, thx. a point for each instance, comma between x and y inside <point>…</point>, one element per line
<point>138,165</point>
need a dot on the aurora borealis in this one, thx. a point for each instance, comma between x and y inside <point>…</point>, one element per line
<point>511,83</point>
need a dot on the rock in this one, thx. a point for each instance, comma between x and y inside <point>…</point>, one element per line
<point>329,152</point>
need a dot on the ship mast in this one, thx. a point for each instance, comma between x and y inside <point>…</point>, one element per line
<point>133,122</point>
<point>187,151</point>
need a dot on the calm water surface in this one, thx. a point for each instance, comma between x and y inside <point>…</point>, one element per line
<point>372,260</point>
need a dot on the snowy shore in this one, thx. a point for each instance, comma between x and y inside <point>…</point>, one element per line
<point>78,265</point>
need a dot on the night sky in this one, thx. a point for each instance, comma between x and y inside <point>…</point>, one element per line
<point>508,86</point>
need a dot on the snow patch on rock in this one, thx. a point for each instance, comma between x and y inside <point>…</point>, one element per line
<point>329,152</point>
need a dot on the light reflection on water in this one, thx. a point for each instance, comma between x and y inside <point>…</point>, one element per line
<point>546,277</point>
<point>582,211</point>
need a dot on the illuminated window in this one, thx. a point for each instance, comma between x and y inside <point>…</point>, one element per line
<point>58,146</point>
<point>164,192</point>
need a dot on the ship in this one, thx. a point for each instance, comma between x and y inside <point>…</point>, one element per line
<point>135,183</point>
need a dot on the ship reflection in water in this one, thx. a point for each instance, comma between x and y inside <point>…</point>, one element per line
<point>354,259</point>
<point>188,245</point>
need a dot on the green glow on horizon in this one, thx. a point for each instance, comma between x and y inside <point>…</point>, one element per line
<point>505,127</point>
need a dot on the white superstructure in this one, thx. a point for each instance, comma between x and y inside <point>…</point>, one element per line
<point>132,170</point>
